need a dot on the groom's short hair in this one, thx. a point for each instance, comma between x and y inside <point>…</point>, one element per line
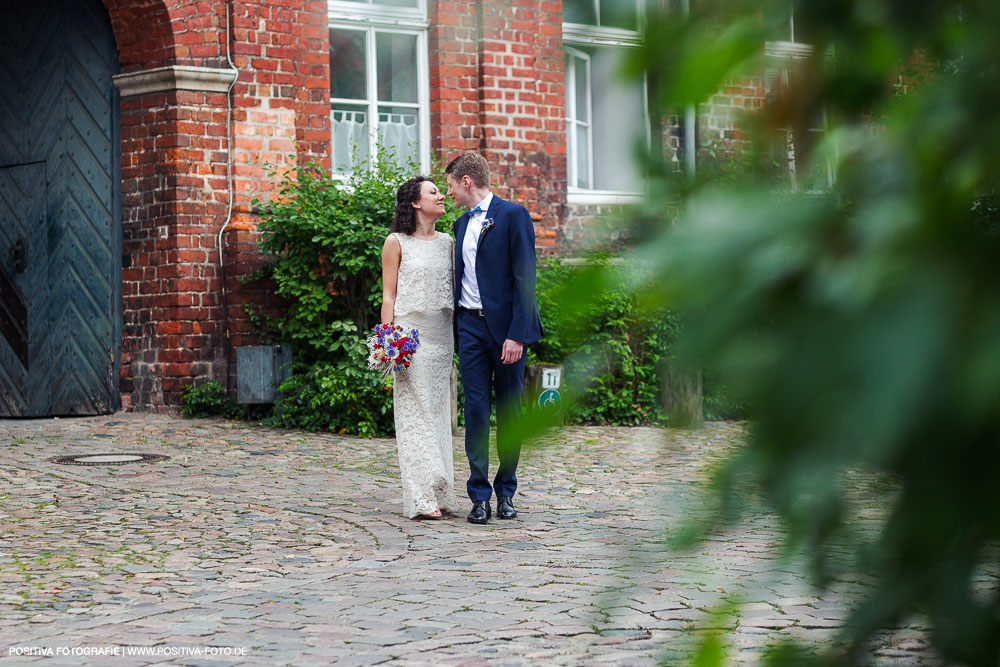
<point>472,165</point>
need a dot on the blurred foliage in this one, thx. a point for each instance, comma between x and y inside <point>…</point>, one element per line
<point>323,239</point>
<point>611,346</point>
<point>861,322</point>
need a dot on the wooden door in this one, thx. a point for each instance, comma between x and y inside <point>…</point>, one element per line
<point>60,222</point>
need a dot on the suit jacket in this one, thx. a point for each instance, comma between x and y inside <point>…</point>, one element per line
<point>505,269</point>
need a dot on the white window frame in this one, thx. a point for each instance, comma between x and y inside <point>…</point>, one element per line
<point>372,19</point>
<point>339,11</point>
<point>577,35</point>
<point>590,32</point>
<point>573,121</point>
<point>580,33</point>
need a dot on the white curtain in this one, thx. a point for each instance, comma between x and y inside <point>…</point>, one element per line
<point>398,132</point>
<point>350,130</point>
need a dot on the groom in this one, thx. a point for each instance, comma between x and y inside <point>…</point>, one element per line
<point>496,316</point>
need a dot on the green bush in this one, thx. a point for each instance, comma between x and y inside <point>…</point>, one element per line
<point>719,401</point>
<point>343,398</point>
<point>209,400</point>
<point>323,238</point>
<point>609,348</point>
<point>611,344</point>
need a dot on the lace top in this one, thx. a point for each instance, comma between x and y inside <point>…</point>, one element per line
<point>425,280</point>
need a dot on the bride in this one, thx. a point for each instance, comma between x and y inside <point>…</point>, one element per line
<point>417,293</point>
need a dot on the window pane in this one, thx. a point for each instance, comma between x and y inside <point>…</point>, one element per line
<point>399,133</point>
<point>811,164</point>
<point>802,31</point>
<point>582,107</point>
<point>347,64</point>
<point>619,122</point>
<point>582,163</point>
<point>778,20</point>
<point>349,125</point>
<point>568,74</point>
<point>619,14</point>
<point>579,11</point>
<point>397,67</point>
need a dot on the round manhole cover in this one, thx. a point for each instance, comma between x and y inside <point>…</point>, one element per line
<point>107,459</point>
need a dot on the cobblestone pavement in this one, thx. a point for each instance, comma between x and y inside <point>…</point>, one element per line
<point>256,546</point>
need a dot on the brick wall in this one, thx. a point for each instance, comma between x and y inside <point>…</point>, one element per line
<point>594,227</point>
<point>496,71</point>
<point>174,194</point>
<point>175,150</point>
<point>722,119</point>
<point>281,116</point>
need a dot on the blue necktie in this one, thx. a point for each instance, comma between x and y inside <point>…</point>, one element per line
<point>473,211</point>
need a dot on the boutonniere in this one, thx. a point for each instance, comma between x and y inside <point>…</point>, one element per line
<point>487,225</point>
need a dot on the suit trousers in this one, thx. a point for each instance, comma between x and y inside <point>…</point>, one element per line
<point>483,375</point>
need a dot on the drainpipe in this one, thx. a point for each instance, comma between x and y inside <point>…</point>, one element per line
<point>229,183</point>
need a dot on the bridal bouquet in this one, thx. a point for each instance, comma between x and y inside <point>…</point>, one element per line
<point>390,349</point>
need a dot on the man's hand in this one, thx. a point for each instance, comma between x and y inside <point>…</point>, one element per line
<point>512,351</point>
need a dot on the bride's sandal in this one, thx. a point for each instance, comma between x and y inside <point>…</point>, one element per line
<point>436,514</point>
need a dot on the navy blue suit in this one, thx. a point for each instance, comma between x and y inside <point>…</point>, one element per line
<point>505,271</point>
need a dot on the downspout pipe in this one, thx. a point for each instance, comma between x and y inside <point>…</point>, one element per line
<point>229,184</point>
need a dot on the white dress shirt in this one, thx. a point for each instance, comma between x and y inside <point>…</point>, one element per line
<point>469,297</point>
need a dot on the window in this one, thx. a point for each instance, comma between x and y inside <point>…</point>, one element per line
<point>623,14</point>
<point>578,126</point>
<point>605,115</point>
<point>781,27</point>
<point>378,83</point>
<point>792,148</point>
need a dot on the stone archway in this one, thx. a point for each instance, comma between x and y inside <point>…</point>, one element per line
<point>143,31</point>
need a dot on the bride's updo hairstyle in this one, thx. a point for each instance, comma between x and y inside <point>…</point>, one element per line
<point>405,220</point>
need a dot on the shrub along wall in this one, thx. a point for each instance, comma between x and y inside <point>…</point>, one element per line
<point>610,342</point>
<point>323,240</point>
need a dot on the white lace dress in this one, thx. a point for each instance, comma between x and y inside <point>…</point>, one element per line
<point>422,393</point>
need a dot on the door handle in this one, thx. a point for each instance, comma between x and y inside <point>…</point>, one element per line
<point>17,256</point>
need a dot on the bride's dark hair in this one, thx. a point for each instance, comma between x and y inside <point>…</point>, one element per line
<point>405,220</point>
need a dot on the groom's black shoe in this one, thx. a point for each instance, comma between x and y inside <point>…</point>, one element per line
<point>480,511</point>
<point>505,508</point>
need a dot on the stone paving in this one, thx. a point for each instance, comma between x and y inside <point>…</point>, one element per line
<point>257,546</point>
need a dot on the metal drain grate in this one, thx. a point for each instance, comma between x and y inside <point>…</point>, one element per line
<point>107,459</point>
